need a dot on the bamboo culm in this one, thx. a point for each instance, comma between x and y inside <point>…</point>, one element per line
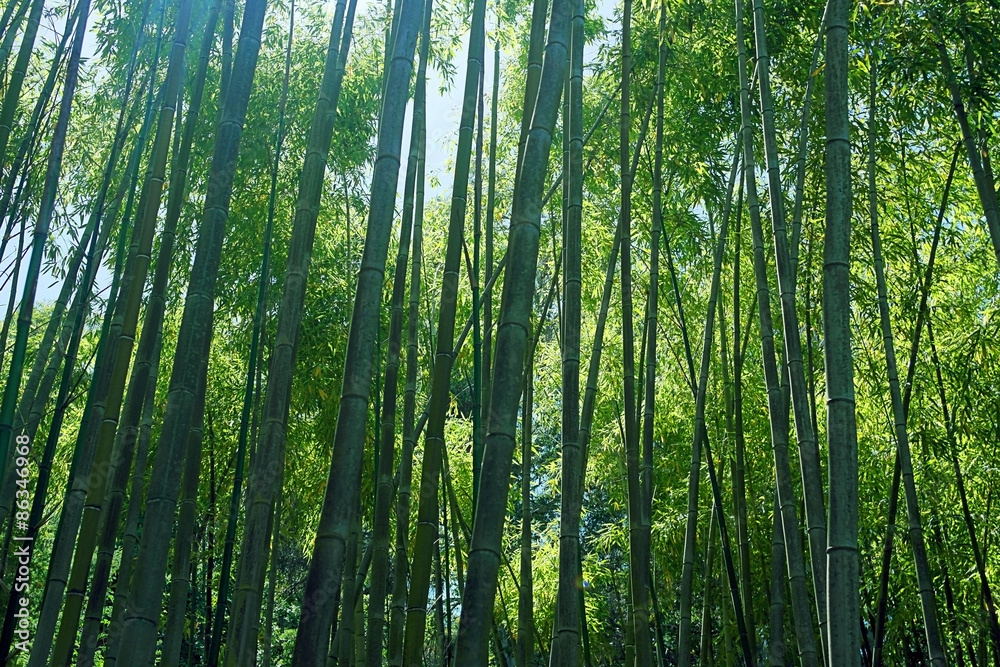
<point>512,335</point>
<point>325,570</point>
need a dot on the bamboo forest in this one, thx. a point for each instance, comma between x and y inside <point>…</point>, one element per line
<point>456,333</point>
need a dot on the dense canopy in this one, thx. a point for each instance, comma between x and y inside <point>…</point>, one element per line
<point>480,333</point>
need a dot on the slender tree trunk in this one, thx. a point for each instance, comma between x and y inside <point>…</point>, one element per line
<point>180,581</point>
<point>527,631</point>
<point>359,616</point>
<point>400,559</point>
<point>707,655</point>
<point>987,193</point>
<point>384,485</point>
<point>566,631</point>
<point>934,646</point>
<point>882,604</point>
<point>12,95</point>
<point>526,596</point>
<point>191,358</point>
<point>533,74</point>
<point>881,610</point>
<point>226,64</point>
<point>652,314</point>
<point>776,406</point>
<point>333,640</point>
<point>437,647</point>
<point>100,366</point>
<point>192,610</point>
<point>486,299</point>
<point>272,581</point>
<point>776,618</point>
<point>809,464</point>
<point>512,339</point>
<point>800,171</point>
<point>345,630</point>
<point>734,584</point>
<point>638,550</point>
<point>443,360</point>
<point>949,596</point>
<point>571,622</point>
<point>459,528</point>
<point>208,535</point>
<point>446,602</point>
<point>844,639</point>
<point>263,282</point>
<point>323,580</point>
<point>733,390</point>
<point>949,417</point>
<point>474,283</point>
<point>49,355</point>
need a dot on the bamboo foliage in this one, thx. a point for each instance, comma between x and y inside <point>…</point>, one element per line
<point>146,474</point>
<point>13,14</point>
<point>977,552</point>
<point>16,170</point>
<point>978,162</point>
<point>934,646</point>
